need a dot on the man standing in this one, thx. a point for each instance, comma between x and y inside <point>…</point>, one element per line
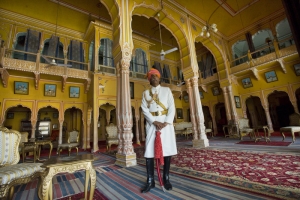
<point>159,111</point>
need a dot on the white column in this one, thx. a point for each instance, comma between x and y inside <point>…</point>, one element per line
<point>192,110</point>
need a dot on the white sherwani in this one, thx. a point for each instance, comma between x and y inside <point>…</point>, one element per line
<point>168,138</point>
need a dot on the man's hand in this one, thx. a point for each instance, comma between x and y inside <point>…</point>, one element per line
<point>160,125</point>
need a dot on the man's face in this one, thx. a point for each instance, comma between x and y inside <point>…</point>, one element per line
<point>154,80</point>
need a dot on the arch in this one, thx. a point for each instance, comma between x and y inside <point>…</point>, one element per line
<point>73,106</point>
<point>261,37</point>
<point>106,102</point>
<point>138,61</point>
<point>172,25</point>
<point>283,29</point>
<point>239,49</point>
<point>19,44</point>
<point>255,112</point>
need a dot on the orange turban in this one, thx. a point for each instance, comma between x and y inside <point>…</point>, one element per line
<point>153,71</point>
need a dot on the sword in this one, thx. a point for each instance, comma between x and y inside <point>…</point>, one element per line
<point>159,158</point>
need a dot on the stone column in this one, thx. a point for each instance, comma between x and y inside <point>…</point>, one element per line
<point>118,109</point>
<point>88,134</point>
<point>137,134</point>
<point>269,121</point>
<point>33,124</point>
<point>142,127</point>
<point>61,122</point>
<point>234,115</point>
<point>294,103</point>
<point>192,111</point>
<point>203,141</point>
<point>125,155</point>
<point>227,105</point>
<point>213,116</point>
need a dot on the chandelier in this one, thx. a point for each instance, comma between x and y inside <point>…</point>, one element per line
<point>207,29</point>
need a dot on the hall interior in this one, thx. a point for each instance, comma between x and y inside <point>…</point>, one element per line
<point>61,59</point>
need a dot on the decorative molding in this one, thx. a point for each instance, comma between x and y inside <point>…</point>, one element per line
<point>255,72</point>
<point>4,76</point>
<point>37,78</point>
<point>282,64</point>
<point>230,10</point>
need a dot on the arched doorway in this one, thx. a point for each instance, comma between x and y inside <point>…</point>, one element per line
<point>280,108</point>
<point>207,116</point>
<point>18,118</point>
<point>221,118</point>
<point>47,117</point>
<point>73,121</point>
<point>255,112</point>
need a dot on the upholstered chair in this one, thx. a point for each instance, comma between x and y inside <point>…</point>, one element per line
<point>73,142</point>
<point>294,126</point>
<point>111,136</point>
<point>209,129</point>
<point>11,173</point>
<point>244,128</point>
<point>24,138</point>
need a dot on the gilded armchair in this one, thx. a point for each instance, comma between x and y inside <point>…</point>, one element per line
<point>111,136</point>
<point>244,129</point>
<point>26,148</point>
<point>73,142</point>
<point>11,173</point>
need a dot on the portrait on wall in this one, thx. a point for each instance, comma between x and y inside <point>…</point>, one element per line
<point>247,83</point>
<point>21,87</point>
<point>201,95</point>
<point>131,90</point>
<point>237,101</point>
<point>179,113</point>
<point>10,115</point>
<point>271,76</point>
<point>74,92</point>
<point>50,90</point>
<point>186,98</point>
<point>297,69</point>
<point>55,115</point>
<point>215,90</point>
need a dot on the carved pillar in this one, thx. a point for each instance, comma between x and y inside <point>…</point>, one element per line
<point>118,108</point>
<point>227,105</point>
<point>95,127</point>
<point>142,127</point>
<point>192,110</point>
<point>203,141</point>
<point>61,122</point>
<point>125,156</point>
<point>89,121</point>
<point>234,115</point>
<point>213,116</point>
<point>269,121</point>
<point>137,133</point>
<point>294,103</point>
<point>33,124</point>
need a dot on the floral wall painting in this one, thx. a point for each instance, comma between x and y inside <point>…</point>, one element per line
<point>271,76</point>
<point>247,83</point>
<point>21,87</point>
<point>50,90</point>
<point>297,69</point>
<point>74,92</point>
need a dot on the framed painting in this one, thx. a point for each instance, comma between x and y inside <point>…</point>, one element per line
<point>186,98</point>
<point>50,90</point>
<point>215,90</point>
<point>271,76</point>
<point>179,113</point>
<point>201,95</point>
<point>237,101</point>
<point>297,69</point>
<point>10,115</point>
<point>74,92</point>
<point>131,90</point>
<point>247,83</point>
<point>21,87</point>
<point>55,115</point>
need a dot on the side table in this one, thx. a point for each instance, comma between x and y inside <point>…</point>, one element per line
<point>36,145</point>
<point>70,164</point>
<point>266,131</point>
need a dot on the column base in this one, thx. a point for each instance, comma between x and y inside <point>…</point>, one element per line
<point>200,143</point>
<point>125,160</point>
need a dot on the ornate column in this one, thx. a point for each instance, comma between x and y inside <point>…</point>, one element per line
<point>234,115</point>
<point>142,127</point>
<point>137,134</point>
<point>126,155</point>
<point>294,103</point>
<point>89,121</point>
<point>213,116</point>
<point>227,105</point>
<point>33,124</point>
<point>192,111</point>
<point>203,141</point>
<point>118,109</point>
<point>269,121</point>
<point>61,122</point>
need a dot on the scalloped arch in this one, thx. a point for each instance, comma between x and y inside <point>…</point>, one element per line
<point>73,106</point>
<point>19,104</point>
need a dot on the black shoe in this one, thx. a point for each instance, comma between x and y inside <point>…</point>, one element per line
<point>166,178</point>
<point>150,175</point>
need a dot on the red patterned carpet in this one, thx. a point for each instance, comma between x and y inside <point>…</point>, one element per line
<point>271,143</point>
<point>265,168</point>
<point>97,196</point>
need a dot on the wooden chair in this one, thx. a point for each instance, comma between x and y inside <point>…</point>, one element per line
<point>73,138</point>
<point>26,149</point>
<point>11,173</point>
<point>111,136</point>
<point>294,126</point>
<point>244,128</point>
